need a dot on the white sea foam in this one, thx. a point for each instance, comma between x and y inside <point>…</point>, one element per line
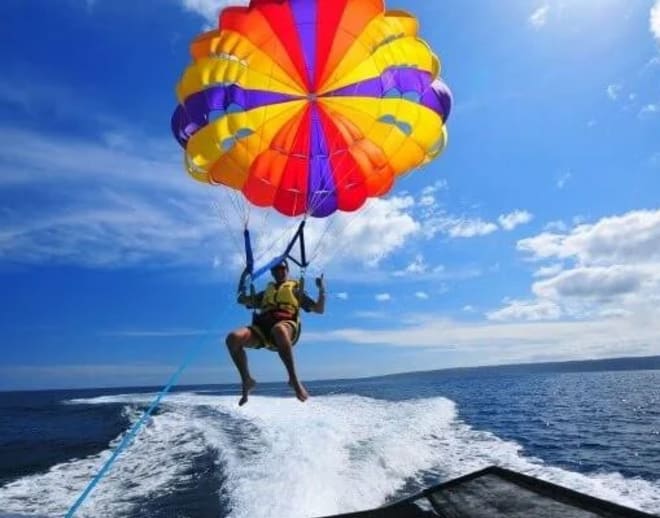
<point>282,458</point>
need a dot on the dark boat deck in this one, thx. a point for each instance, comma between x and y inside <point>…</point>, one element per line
<point>498,493</point>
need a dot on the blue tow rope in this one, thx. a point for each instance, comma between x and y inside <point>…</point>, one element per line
<point>128,438</point>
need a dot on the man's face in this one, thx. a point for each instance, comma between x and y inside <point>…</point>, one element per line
<point>279,273</point>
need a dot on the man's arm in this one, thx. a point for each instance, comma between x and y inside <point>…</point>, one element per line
<point>318,306</point>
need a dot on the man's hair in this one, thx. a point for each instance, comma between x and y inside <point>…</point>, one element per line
<point>283,262</point>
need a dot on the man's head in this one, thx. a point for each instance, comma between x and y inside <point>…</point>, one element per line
<point>280,271</point>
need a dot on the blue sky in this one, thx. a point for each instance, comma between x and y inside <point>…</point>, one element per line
<point>535,236</point>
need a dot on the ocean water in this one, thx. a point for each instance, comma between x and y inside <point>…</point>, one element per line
<point>355,444</point>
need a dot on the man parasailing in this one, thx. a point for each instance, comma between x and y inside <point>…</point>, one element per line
<point>275,327</point>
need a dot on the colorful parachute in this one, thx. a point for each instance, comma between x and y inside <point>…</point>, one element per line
<point>310,106</point>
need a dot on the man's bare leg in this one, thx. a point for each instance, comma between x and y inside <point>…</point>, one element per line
<point>282,337</point>
<point>236,342</point>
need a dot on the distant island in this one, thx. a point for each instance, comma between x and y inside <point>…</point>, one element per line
<point>606,364</point>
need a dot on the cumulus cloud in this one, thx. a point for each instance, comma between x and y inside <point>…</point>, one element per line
<point>513,219</point>
<point>366,236</point>
<point>427,201</point>
<point>417,266</point>
<point>634,236</point>
<point>342,295</point>
<point>549,271</point>
<point>654,21</point>
<point>457,227</point>
<point>383,297</point>
<point>539,17</point>
<point>430,190</point>
<point>614,91</point>
<point>649,110</point>
<point>471,228</point>
<point>209,9</point>
<point>611,267</point>
<point>421,295</point>
<point>531,310</point>
<point>592,282</point>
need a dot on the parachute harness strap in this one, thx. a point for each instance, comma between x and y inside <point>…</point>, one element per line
<point>301,261</point>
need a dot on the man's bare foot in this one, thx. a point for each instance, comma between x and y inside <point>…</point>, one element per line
<point>300,391</point>
<point>248,386</point>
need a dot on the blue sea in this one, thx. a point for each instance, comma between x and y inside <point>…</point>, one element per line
<point>354,445</point>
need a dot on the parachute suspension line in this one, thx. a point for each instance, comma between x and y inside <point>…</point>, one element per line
<point>221,212</point>
<point>340,232</point>
<point>240,207</point>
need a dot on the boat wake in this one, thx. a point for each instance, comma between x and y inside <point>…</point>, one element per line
<point>333,454</point>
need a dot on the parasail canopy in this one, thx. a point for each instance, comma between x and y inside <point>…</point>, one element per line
<point>310,106</point>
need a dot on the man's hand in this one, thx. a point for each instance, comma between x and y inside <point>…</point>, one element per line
<point>320,284</point>
<point>242,288</point>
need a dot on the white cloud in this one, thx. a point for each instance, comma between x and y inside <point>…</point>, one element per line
<point>654,21</point>
<point>418,266</point>
<point>383,297</point>
<point>513,219</point>
<point>457,227</point>
<point>121,230</point>
<point>471,228</point>
<point>430,190</point>
<point>593,282</point>
<point>636,334</point>
<point>611,267</point>
<point>614,91</point>
<point>531,310</point>
<point>634,236</point>
<point>342,295</point>
<point>539,17</point>
<point>426,201</point>
<point>366,236</point>
<point>649,110</point>
<point>548,271</point>
<point>563,180</point>
<point>421,295</point>
<point>210,9</point>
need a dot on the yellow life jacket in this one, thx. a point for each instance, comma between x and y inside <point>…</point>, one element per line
<point>281,298</point>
